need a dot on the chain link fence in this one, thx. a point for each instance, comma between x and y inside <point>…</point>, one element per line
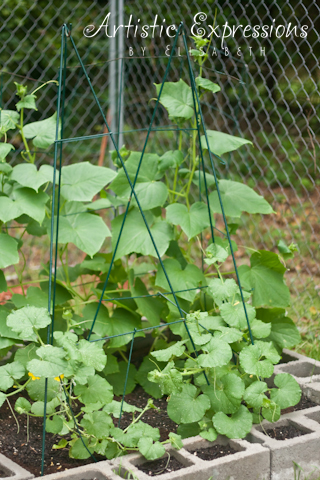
<point>269,94</point>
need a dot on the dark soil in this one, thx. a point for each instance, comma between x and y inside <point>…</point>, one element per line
<point>305,402</point>
<point>153,417</point>
<point>28,455</point>
<point>3,473</point>
<point>161,466</point>
<point>285,432</point>
<point>216,451</point>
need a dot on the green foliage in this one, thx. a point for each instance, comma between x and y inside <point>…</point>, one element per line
<point>212,373</point>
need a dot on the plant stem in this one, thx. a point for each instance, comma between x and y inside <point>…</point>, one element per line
<point>18,426</point>
<point>20,127</point>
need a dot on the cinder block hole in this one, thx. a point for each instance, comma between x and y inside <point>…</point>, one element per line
<point>302,369</point>
<point>314,416</point>
<point>214,451</point>
<point>284,430</point>
<point>166,464</point>
<point>4,472</point>
<point>286,358</point>
<point>124,473</point>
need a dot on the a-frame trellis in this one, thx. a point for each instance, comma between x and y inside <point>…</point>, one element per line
<point>67,37</point>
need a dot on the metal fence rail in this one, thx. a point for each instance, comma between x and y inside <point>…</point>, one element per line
<point>270,94</point>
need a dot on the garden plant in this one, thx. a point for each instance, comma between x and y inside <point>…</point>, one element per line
<point>157,269</point>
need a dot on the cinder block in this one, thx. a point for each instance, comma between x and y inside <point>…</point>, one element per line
<point>250,462</point>
<point>12,470</point>
<point>305,370</point>
<point>93,471</point>
<point>302,450</point>
<point>312,391</point>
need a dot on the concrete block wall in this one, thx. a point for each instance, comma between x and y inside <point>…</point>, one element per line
<point>250,462</point>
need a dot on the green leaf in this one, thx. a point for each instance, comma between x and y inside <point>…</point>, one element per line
<point>3,398</point>
<point>84,230</point>
<point>92,354</point>
<point>186,430</point>
<point>210,180</point>
<point>226,394</point>
<point>29,102</point>
<point>176,97</point>
<point>36,389</point>
<point>284,332</point>
<point>288,394</point>
<point>43,132</point>
<point>135,237</point>
<point>25,201</point>
<point>82,181</point>
<point>61,444</point>
<point>222,291</point>
<point>236,426</point>
<point>170,159</point>
<point>100,204</point>
<point>142,377</point>
<point>176,350</point>
<point>114,408</point>
<point>187,407</point>
<point>121,322</point>
<point>237,198</point>
<point>265,277</point>
<point>81,449</point>
<point>150,193</point>
<point>169,379</point>
<point>117,380</point>
<point>175,440</point>
<point>37,408</point>
<point>55,425</point>
<point>8,251</point>
<point>9,373</point>
<point>254,394</point>
<point>227,334</point>
<point>211,434</point>
<point>35,297</point>
<point>150,450</point>
<point>220,143</point>
<point>286,252</point>
<point>150,307</point>
<point>235,316</point>
<point>8,120</point>
<point>134,433</point>
<point>97,390</point>
<point>101,323</point>
<point>27,319</point>
<point>207,85</point>
<point>22,405</point>
<point>3,285</point>
<point>52,363</point>
<point>215,253</point>
<point>220,354</point>
<point>5,168</point>
<point>5,148</point>
<point>258,359</point>
<point>271,412</point>
<point>193,221</point>
<point>27,175</point>
<point>111,366</point>
<point>25,354</point>
<point>97,424</point>
<point>181,279</point>
<point>260,329</point>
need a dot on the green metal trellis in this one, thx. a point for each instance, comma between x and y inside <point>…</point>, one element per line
<point>67,37</point>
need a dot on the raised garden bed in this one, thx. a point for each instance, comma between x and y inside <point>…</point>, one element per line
<point>198,457</point>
